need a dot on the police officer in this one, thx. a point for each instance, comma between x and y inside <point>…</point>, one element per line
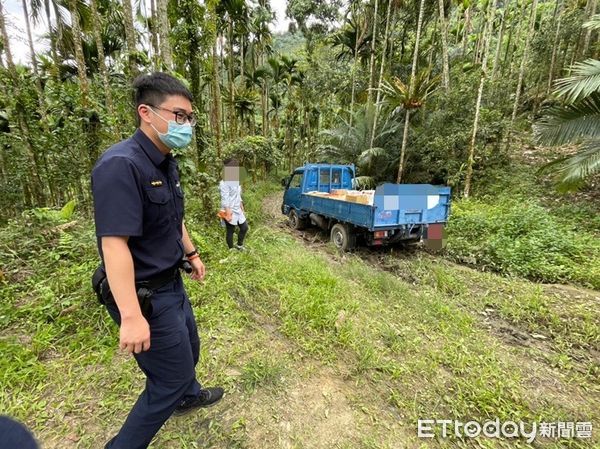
<point>138,209</point>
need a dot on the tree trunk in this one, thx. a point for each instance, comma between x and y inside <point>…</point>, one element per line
<point>40,93</point>
<point>34,63</point>
<point>372,63</point>
<point>385,42</point>
<point>33,168</point>
<point>555,47</point>
<point>96,24</point>
<point>59,32</point>
<point>216,103</point>
<point>154,35</point>
<point>193,58</point>
<point>3,176</point>
<point>81,68</point>
<point>575,53</point>
<point>466,31</point>
<point>289,131</point>
<point>353,75</point>
<point>500,39</point>
<point>404,143</point>
<point>444,35</point>
<point>471,158</point>
<point>164,30</point>
<point>403,43</point>
<point>357,41</point>
<point>588,33</point>
<point>130,37</point>
<point>232,117</point>
<point>276,122</point>
<point>411,88</point>
<point>223,75</point>
<point>523,62</point>
<point>508,43</point>
<point>479,38</point>
<point>242,58</point>
<point>432,47</point>
<point>265,106</point>
<point>52,36</point>
<point>511,50</point>
<point>564,53</point>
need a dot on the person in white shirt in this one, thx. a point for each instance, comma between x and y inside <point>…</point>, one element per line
<point>231,202</point>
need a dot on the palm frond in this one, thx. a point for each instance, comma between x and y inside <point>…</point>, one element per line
<point>262,73</point>
<point>572,171</point>
<point>36,7</point>
<point>585,80</point>
<point>396,93</point>
<point>567,124</point>
<point>362,182</point>
<point>593,23</point>
<point>368,157</point>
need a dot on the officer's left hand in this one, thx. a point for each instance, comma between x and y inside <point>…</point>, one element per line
<point>198,270</point>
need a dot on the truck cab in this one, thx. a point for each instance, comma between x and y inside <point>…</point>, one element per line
<point>314,177</point>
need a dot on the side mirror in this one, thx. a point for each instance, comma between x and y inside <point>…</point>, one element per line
<point>284,181</point>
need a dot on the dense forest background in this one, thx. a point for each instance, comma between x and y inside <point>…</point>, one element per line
<point>410,91</point>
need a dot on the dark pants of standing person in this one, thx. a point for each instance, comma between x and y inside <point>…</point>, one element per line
<point>169,366</point>
<point>231,228</point>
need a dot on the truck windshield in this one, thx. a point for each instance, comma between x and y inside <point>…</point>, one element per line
<point>296,181</point>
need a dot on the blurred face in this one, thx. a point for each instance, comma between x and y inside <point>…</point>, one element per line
<point>157,117</point>
<point>231,173</point>
<point>236,174</point>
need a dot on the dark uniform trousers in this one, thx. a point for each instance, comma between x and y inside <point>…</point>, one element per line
<point>169,366</point>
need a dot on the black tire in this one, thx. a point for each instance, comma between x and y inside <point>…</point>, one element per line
<point>295,221</point>
<point>342,237</point>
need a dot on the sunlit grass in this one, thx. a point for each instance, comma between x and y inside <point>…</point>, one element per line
<point>416,349</point>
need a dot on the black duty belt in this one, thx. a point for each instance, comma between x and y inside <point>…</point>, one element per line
<point>159,280</point>
<point>145,289</point>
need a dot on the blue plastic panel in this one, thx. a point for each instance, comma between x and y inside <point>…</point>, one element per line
<point>324,177</point>
<point>410,204</point>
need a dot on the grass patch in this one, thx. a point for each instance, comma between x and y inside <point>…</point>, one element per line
<point>518,237</point>
<point>411,351</point>
<point>263,370</point>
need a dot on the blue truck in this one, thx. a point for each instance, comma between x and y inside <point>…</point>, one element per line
<point>323,195</point>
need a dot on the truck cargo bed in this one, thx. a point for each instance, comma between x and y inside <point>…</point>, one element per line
<point>393,205</point>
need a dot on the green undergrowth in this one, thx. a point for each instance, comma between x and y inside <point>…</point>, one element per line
<point>418,347</point>
<point>519,237</point>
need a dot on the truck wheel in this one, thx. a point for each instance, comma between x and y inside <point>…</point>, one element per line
<point>342,237</point>
<point>295,221</point>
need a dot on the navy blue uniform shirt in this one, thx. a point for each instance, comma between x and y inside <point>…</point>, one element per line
<point>137,194</point>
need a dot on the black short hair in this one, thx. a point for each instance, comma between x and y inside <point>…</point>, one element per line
<point>154,88</point>
<point>231,162</point>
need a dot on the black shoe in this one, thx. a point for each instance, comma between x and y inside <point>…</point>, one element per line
<point>207,398</point>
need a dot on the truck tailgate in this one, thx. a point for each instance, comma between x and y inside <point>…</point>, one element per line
<point>401,204</point>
